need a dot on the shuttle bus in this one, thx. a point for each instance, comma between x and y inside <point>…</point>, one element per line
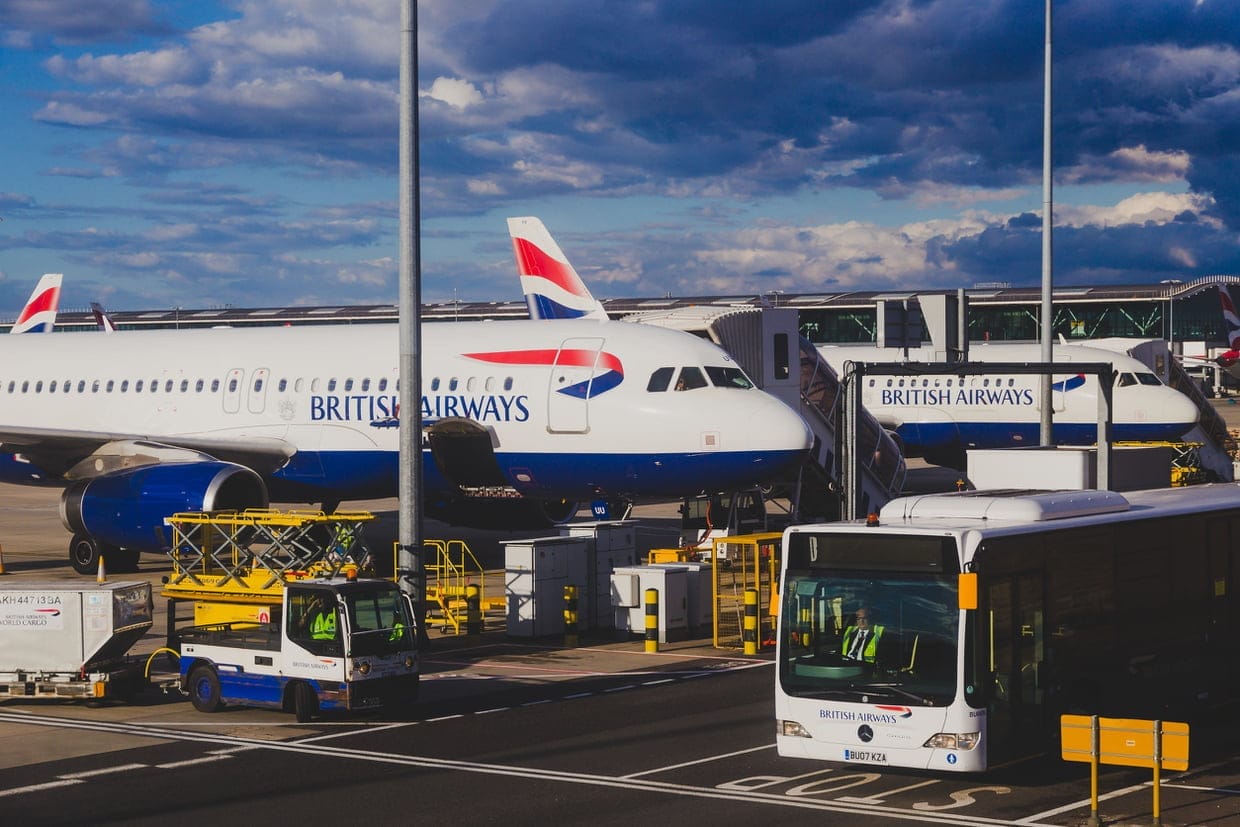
<point>987,614</point>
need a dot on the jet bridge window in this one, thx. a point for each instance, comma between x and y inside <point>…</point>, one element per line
<point>659,380</point>
<point>724,377</point>
<point>691,378</point>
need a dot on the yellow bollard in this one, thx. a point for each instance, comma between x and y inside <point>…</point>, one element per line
<point>102,575</point>
<point>750,633</point>
<point>570,616</point>
<point>652,620</point>
<point>473,612</point>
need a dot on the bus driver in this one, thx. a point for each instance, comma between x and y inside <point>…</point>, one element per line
<point>861,640</point>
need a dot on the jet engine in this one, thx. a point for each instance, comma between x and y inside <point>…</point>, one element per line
<point>122,514</point>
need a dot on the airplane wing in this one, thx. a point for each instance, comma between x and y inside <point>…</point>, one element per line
<point>74,454</point>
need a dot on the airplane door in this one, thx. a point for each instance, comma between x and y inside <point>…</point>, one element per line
<point>232,390</point>
<point>258,390</point>
<point>568,393</point>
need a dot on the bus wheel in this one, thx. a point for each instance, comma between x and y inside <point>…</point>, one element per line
<point>204,689</point>
<point>305,702</point>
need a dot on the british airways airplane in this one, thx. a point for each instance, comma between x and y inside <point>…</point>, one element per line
<point>39,314</point>
<point>939,417</point>
<point>521,419</point>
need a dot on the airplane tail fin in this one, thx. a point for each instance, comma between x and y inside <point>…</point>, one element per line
<point>1230,317</point>
<point>552,288</point>
<point>102,320</point>
<point>39,314</point>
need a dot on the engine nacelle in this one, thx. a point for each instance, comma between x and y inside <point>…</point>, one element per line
<point>127,509</point>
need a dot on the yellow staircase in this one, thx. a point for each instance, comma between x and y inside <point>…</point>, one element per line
<point>454,569</point>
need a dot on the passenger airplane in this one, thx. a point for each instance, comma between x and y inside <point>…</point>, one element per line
<point>39,314</point>
<point>940,417</point>
<point>520,419</point>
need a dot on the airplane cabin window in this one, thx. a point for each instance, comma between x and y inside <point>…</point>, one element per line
<point>108,387</point>
<point>471,383</point>
<point>283,386</point>
<point>12,386</point>
<point>382,384</point>
<point>435,384</point>
<point>199,385</point>
<point>124,385</point>
<point>38,386</point>
<point>137,386</point>
<point>258,385</point>
<point>184,385</point>
<point>25,386</point>
<point>659,380</point>
<point>81,386</point>
<point>314,385</point>
<point>215,385</point>
<point>168,386</point>
<point>691,378</point>
<point>365,385</point>
<point>348,384</point>
<point>724,377</point>
<point>331,384</point>
<point>52,387</point>
<point>452,383</point>
<point>489,385</point>
<point>94,386</point>
<point>298,385</point>
<point>507,383</point>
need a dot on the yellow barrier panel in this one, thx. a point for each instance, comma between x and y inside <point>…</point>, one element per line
<point>751,561</point>
<point>1127,742</point>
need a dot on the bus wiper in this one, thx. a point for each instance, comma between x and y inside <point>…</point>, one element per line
<point>899,690</point>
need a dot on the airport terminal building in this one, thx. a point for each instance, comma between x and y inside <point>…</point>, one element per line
<point>1187,313</point>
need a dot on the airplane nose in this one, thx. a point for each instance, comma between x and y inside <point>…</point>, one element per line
<point>781,429</point>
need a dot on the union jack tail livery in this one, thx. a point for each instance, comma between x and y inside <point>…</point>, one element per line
<point>39,314</point>
<point>1229,360</point>
<point>102,320</point>
<point>552,288</point>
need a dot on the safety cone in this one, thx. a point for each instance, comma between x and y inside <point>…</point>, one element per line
<point>2,571</point>
<point>102,576</point>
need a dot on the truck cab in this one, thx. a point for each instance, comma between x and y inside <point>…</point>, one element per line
<point>335,644</point>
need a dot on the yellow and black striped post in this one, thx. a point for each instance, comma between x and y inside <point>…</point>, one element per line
<point>652,620</point>
<point>570,615</point>
<point>473,612</point>
<point>750,633</point>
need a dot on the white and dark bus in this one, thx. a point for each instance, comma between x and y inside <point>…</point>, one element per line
<point>990,613</point>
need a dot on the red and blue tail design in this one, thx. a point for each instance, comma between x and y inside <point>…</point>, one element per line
<point>612,370</point>
<point>552,288</point>
<point>39,314</point>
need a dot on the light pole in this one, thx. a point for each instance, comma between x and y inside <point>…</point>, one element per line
<point>1171,283</point>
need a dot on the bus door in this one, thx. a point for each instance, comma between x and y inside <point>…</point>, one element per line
<point>568,393</point>
<point>1016,651</point>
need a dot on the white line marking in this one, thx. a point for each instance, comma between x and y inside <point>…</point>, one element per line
<point>102,771</point>
<point>206,759</point>
<point>624,688</point>
<point>578,696</point>
<point>705,760</point>
<point>34,788</point>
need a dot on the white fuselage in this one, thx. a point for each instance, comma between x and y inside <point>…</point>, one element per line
<point>565,404</point>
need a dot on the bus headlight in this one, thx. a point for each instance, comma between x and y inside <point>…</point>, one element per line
<point>792,728</point>
<point>364,667</point>
<point>953,740</point>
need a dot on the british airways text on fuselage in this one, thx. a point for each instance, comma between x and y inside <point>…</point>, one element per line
<point>491,407</point>
<point>1014,397</point>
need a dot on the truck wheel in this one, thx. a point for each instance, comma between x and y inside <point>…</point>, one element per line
<point>204,689</point>
<point>84,554</point>
<point>305,702</point>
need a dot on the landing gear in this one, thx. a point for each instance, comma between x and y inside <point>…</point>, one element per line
<point>85,550</point>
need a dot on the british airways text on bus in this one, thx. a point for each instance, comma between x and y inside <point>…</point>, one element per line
<point>954,633</point>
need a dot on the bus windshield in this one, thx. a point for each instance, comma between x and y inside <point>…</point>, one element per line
<point>870,618</point>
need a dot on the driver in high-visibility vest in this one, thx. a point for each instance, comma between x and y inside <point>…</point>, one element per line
<point>861,640</point>
<point>322,620</point>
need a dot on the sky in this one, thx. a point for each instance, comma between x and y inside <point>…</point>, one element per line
<point>200,154</point>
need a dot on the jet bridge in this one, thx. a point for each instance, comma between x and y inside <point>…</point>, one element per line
<point>767,344</point>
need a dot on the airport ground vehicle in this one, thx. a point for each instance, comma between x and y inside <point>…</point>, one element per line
<point>337,644</point>
<point>64,640</point>
<point>281,618</point>
<point>999,611</point>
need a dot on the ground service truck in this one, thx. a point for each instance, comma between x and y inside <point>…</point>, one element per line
<point>337,643</point>
<point>63,640</point>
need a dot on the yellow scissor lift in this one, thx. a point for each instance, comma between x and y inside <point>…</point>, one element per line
<point>752,562</point>
<point>234,564</point>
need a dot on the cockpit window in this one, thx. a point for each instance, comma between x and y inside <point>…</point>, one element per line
<point>659,380</point>
<point>1125,379</point>
<point>690,378</point>
<point>722,377</point>
<point>1148,379</point>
